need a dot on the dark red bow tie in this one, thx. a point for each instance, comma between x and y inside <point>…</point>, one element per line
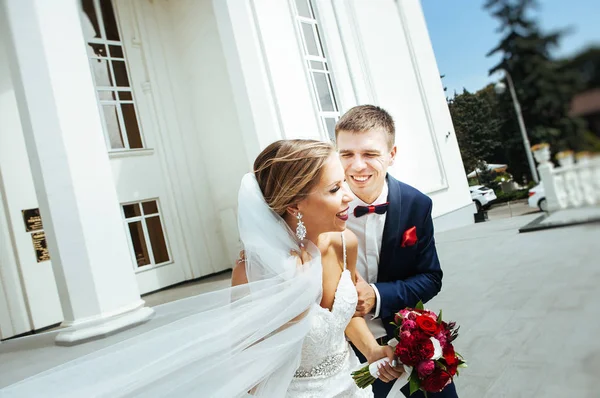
<point>360,211</point>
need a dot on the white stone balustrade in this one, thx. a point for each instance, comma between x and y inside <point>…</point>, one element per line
<point>574,183</point>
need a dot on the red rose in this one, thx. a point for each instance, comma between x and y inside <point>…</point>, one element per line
<point>450,355</point>
<point>436,381</point>
<point>431,314</point>
<point>427,324</point>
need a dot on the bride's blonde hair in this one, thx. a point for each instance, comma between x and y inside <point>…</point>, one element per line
<point>287,170</point>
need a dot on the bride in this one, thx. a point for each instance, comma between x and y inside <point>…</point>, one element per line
<point>303,182</point>
<point>280,330</point>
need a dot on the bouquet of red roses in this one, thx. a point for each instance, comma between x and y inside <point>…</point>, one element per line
<point>423,344</point>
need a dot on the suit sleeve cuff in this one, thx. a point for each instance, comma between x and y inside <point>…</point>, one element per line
<point>377,303</point>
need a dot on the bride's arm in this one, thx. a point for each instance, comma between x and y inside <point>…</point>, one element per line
<point>238,275</point>
<point>359,334</point>
<point>357,330</point>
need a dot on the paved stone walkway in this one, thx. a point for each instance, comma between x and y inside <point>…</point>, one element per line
<point>528,305</point>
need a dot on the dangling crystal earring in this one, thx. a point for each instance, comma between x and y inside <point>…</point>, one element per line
<point>300,229</point>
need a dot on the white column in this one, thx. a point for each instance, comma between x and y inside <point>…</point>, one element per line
<point>254,97</point>
<point>71,170</point>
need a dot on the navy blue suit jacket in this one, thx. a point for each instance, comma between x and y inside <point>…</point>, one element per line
<point>412,273</point>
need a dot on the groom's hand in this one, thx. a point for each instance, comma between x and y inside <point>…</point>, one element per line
<point>366,297</point>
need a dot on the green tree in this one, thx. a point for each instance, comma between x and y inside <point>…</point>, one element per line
<point>544,88</point>
<point>476,126</point>
<point>587,65</point>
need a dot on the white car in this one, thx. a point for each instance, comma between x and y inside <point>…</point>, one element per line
<point>482,196</point>
<point>537,198</point>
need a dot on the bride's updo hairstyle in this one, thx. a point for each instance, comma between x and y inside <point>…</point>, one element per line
<point>288,170</point>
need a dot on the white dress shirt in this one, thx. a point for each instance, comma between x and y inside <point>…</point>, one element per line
<point>369,231</point>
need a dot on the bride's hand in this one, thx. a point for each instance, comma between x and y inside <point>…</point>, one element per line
<point>387,373</point>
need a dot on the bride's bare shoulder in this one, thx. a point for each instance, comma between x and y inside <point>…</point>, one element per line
<point>336,239</point>
<point>334,243</point>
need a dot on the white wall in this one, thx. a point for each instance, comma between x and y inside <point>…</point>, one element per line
<point>457,195</point>
<point>278,35</point>
<point>211,136</point>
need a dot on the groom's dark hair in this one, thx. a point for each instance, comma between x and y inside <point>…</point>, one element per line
<point>364,118</point>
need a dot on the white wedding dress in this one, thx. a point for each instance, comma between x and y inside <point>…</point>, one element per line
<point>327,360</point>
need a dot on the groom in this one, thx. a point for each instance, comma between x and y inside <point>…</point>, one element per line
<point>392,220</point>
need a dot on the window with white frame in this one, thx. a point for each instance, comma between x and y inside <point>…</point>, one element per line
<point>148,243</point>
<point>111,77</point>
<point>316,62</point>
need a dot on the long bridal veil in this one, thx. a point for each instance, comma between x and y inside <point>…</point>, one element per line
<point>229,343</point>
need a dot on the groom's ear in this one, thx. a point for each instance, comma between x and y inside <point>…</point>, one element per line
<point>393,155</point>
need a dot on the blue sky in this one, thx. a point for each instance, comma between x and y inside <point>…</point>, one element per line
<point>462,33</point>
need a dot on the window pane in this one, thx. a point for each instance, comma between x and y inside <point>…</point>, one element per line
<point>110,23</point>
<point>125,96</point>
<point>120,73</point>
<point>325,97</point>
<point>116,51</point>
<point>157,240</point>
<point>139,243</point>
<point>112,126</point>
<point>132,210</point>
<point>98,50</point>
<point>90,13</point>
<point>106,95</point>
<point>131,126</point>
<point>309,38</point>
<point>101,72</point>
<point>317,65</point>
<point>330,127</point>
<point>150,207</point>
<point>304,8</point>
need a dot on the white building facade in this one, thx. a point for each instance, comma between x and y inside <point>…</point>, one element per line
<point>126,126</point>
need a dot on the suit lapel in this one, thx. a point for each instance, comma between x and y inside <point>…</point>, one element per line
<point>391,228</point>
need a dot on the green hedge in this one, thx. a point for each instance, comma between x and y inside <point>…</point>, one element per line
<point>511,196</point>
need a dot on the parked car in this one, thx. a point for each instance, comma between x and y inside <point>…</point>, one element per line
<point>482,196</point>
<point>537,198</point>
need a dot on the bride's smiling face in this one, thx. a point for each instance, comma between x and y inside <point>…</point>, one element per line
<point>325,208</point>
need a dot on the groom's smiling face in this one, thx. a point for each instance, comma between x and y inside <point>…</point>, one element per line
<point>365,157</point>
